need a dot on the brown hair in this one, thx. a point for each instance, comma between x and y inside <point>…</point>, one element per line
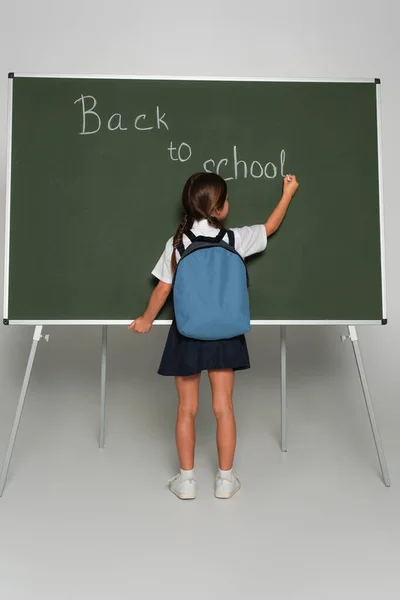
<point>202,195</point>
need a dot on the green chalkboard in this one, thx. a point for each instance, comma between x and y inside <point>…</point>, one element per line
<point>96,168</point>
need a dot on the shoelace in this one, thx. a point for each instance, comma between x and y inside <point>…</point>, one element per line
<point>174,478</point>
<point>178,478</point>
<point>222,480</point>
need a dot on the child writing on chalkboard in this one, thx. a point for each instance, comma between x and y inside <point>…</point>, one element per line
<point>205,204</point>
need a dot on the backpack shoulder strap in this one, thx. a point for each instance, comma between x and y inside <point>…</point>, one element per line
<point>181,249</point>
<point>220,236</point>
<point>191,236</point>
<point>231,237</point>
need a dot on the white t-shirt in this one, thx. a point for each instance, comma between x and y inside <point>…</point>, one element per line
<point>248,240</point>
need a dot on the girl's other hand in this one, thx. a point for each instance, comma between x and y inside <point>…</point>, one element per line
<point>290,185</point>
<point>141,325</point>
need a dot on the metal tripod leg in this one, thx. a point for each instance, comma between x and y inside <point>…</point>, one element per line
<point>36,339</point>
<point>363,379</point>
<point>103,386</point>
<point>283,390</point>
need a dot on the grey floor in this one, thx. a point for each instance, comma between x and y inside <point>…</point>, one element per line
<point>80,523</point>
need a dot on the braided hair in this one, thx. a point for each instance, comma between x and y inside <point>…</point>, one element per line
<point>202,195</point>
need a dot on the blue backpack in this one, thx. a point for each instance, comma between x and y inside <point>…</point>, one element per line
<point>210,289</point>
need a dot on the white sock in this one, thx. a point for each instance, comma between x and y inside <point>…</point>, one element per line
<point>186,475</point>
<point>225,474</point>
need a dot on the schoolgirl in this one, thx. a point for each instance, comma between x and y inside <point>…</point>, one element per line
<point>205,206</point>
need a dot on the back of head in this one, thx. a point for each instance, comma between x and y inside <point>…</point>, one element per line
<point>203,194</point>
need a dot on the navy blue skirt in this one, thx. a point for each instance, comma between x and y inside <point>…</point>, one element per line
<point>185,356</point>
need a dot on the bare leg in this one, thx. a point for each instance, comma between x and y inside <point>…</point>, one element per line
<point>222,389</point>
<point>188,394</point>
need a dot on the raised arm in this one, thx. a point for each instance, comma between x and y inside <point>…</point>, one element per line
<point>290,185</point>
<point>157,300</point>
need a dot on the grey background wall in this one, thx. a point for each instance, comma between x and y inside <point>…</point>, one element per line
<point>313,523</point>
<point>257,38</point>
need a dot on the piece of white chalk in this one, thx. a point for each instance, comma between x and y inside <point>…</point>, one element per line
<point>288,178</point>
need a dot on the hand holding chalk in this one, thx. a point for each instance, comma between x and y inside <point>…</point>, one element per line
<point>290,185</point>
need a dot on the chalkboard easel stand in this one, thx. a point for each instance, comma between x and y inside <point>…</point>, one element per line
<point>37,336</point>
<point>103,386</point>
<point>283,390</point>
<point>364,384</point>
<point>368,403</point>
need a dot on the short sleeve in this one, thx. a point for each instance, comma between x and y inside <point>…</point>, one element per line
<point>250,239</point>
<point>163,269</point>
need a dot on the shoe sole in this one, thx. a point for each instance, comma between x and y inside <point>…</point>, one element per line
<point>190,496</point>
<point>184,496</point>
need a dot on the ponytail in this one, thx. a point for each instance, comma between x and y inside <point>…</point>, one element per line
<point>184,226</point>
<point>214,222</point>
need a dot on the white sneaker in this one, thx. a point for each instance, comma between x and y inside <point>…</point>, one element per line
<point>226,488</point>
<point>184,489</point>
